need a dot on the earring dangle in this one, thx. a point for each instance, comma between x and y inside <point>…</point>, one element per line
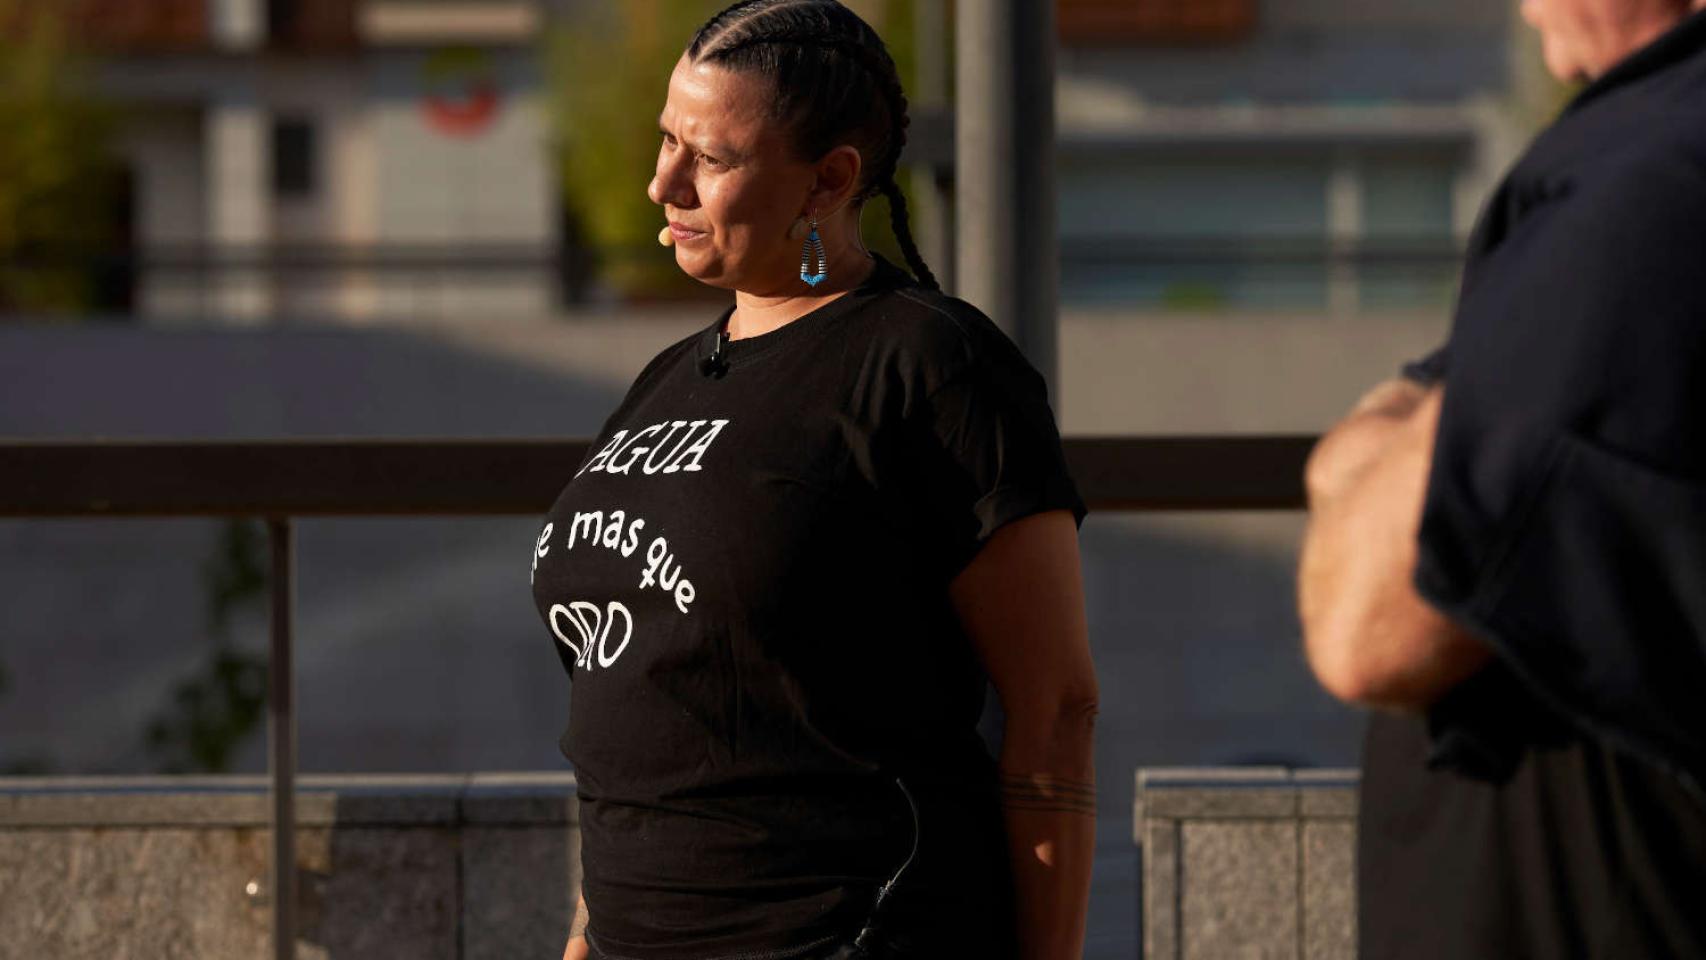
<point>813,249</point>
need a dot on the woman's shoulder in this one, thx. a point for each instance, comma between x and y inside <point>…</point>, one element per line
<point>938,325</point>
<point>942,334</point>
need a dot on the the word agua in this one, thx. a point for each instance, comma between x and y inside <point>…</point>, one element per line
<point>625,450</point>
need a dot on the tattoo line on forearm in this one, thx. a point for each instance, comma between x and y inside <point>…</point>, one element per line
<point>1046,794</point>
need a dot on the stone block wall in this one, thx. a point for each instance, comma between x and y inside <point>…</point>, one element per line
<point>1247,863</point>
<point>427,868</point>
<point>1236,863</point>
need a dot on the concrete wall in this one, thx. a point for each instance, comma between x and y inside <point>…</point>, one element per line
<point>441,868</point>
<point>1253,863</point>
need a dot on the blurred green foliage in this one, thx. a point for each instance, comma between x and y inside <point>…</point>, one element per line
<point>214,710</point>
<point>56,173</point>
<point>609,67</point>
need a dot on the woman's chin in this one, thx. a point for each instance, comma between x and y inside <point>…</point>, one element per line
<point>701,266</point>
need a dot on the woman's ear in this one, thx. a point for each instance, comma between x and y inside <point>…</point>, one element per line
<point>838,177</point>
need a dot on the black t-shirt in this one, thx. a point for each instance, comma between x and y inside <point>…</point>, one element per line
<point>747,583</point>
<point>1552,806</point>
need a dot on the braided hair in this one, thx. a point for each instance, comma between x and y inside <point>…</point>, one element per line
<point>835,83</point>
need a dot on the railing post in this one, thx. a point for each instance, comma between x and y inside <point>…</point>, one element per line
<point>281,739</point>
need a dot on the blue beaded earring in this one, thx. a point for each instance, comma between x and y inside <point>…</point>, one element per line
<point>813,249</point>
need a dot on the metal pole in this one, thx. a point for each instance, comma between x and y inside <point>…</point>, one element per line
<point>281,739</point>
<point>932,186</point>
<point>1005,181</point>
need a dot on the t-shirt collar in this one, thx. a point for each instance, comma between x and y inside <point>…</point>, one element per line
<point>884,276</point>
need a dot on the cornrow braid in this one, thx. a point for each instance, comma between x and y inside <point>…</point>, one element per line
<point>903,232</point>
<point>772,37</point>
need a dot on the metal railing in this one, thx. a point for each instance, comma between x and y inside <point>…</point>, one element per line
<point>284,480</point>
<point>404,281</point>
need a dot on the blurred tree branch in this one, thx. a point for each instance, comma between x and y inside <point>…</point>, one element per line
<point>213,711</point>
<point>56,174</point>
<point>609,67</point>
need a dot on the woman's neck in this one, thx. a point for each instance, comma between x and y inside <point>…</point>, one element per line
<point>757,314</point>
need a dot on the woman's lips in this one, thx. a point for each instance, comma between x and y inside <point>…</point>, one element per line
<point>684,234</point>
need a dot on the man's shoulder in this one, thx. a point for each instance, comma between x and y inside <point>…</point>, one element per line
<point>1657,179</point>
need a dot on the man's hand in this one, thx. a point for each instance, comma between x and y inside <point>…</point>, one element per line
<point>1369,635</point>
<point>1353,445</point>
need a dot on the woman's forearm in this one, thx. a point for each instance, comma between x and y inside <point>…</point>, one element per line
<point>1049,801</point>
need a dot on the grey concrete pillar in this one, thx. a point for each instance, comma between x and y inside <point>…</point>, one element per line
<point>1008,261</point>
<point>932,184</point>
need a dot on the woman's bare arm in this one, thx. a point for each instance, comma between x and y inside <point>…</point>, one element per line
<point>577,948</point>
<point>1021,601</point>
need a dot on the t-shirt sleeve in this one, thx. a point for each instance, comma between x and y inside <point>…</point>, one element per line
<point>1429,370</point>
<point>1565,517</point>
<point>987,443</point>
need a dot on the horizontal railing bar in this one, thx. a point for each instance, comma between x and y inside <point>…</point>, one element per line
<point>459,477</point>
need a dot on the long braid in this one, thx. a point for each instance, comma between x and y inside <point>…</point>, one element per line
<point>903,233</point>
<point>899,220</point>
<point>741,27</point>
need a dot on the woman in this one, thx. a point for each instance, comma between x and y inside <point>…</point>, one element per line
<point>800,545</point>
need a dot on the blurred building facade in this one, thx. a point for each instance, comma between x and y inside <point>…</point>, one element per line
<point>357,159</point>
<point>1289,154</point>
<point>331,158</point>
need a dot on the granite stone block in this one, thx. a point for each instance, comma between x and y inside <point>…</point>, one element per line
<point>132,809</point>
<point>521,884</point>
<point>510,809</point>
<point>439,868</point>
<point>105,893</point>
<point>1161,890</point>
<point>1236,802</point>
<point>1329,890</point>
<point>1240,890</point>
<point>380,892</point>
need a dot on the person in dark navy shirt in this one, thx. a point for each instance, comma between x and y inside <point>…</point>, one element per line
<point>1507,544</point>
<point>800,550</point>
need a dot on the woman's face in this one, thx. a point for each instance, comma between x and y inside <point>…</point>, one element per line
<point>729,181</point>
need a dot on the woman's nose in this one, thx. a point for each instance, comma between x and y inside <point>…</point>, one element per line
<point>670,186</point>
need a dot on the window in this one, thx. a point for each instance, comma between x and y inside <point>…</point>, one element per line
<point>1194,232</point>
<point>293,158</point>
